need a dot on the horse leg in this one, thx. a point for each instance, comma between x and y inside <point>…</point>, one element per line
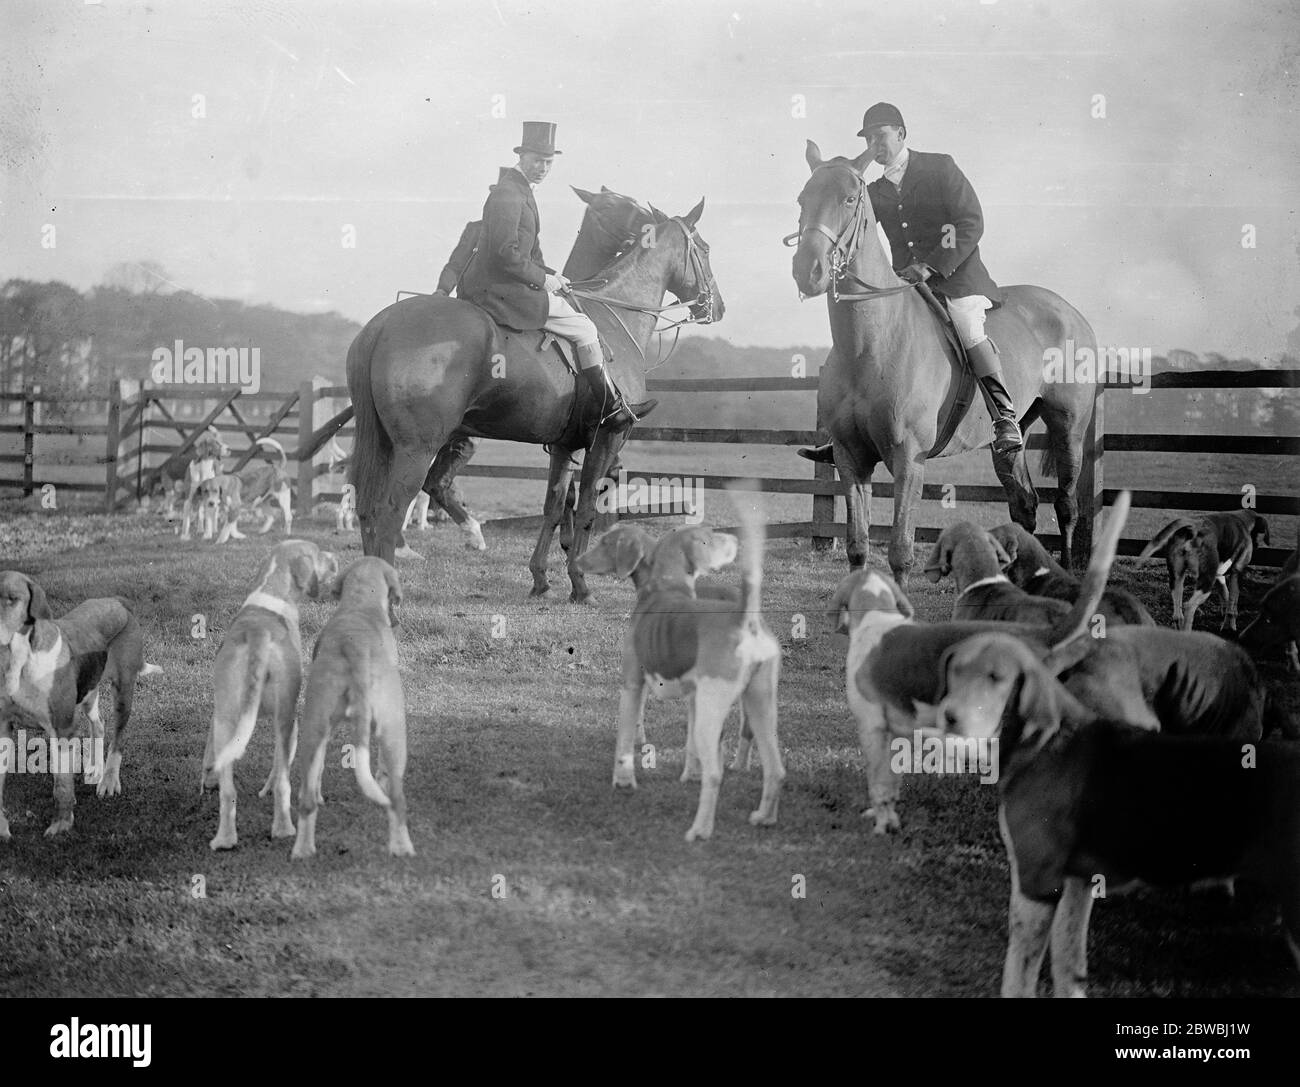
<point>557,486</point>
<point>1022,499</point>
<point>857,502</point>
<point>595,467</point>
<point>407,472</point>
<point>451,458</point>
<point>908,469</point>
<point>1065,433</point>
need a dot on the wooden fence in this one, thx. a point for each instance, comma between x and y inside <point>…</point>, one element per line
<point>130,461</point>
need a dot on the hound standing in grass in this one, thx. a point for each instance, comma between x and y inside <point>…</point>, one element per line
<point>259,671</point>
<point>354,678</point>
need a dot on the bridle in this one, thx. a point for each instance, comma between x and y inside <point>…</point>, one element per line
<point>700,309</point>
<point>844,247</point>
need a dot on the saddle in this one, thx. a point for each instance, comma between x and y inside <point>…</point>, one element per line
<point>963,391</point>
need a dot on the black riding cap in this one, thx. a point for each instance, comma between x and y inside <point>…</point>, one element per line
<point>882,113</point>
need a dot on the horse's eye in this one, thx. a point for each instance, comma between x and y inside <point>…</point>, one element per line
<point>851,200</point>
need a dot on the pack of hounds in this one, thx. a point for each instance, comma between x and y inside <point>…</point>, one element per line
<point>1141,754</point>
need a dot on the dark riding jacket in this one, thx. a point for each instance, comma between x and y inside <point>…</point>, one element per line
<point>506,276</point>
<point>934,194</point>
<point>456,264</point>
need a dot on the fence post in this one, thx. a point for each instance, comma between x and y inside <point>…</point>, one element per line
<point>29,439</point>
<point>112,444</point>
<point>1091,489</point>
<point>306,471</point>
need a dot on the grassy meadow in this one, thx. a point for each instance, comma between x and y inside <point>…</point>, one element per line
<point>511,751</point>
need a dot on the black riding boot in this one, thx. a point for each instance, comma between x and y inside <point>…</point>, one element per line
<point>988,371</point>
<point>616,412</point>
<point>823,454</point>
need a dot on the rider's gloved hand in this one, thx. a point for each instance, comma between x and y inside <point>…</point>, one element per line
<point>555,283</point>
<point>916,273</point>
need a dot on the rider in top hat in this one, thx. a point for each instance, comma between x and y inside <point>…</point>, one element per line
<point>507,277</point>
<point>933,221</point>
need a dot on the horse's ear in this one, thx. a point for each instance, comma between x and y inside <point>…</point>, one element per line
<point>660,217</point>
<point>862,161</point>
<point>693,216</point>
<point>812,155</point>
<point>583,195</point>
<point>603,189</point>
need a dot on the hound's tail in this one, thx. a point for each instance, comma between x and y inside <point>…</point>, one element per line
<point>753,534</point>
<point>275,446</point>
<point>358,711</point>
<point>250,700</point>
<point>1082,610</point>
<point>1166,535</point>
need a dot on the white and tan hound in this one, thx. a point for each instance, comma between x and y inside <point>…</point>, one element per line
<point>354,677</point>
<point>976,560</point>
<point>1089,802</point>
<point>259,672</point>
<point>52,666</point>
<point>711,652</point>
<point>1212,552</point>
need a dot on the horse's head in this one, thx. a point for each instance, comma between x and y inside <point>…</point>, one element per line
<point>834,217</point>
<point>690,277</point>
<point>617,220</point>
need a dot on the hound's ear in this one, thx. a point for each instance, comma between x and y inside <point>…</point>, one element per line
<point>1037,706</point>
<point>37,606</point>
<point>939,565</point>
<point>862,161</point>
<point>1009,544</point>
<point>660,217</point>
<point>335,590</point>
<point>693,216</point>
<point>812,155</point>
<point>629,553</point>
<point>43,636</point>
<point>1000,552</point>
<point>1260,531</point>
<point>394,594</point>
<point>945,662</point>
<point>585,196</point>
<point>838,608</point>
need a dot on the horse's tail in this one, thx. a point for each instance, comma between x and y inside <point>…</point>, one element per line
<point>372,449</point>
<point>1047,462</point>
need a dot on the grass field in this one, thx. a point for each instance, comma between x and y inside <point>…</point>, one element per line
<point>511,744</point>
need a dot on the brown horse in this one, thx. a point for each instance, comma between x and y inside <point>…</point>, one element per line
<point>890,373</point>
<point>428,367</point>
<point>611,224</point>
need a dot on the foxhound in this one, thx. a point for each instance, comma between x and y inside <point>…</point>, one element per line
<point>1213,552</point>
<point>977,560</point>
<point>1035,571</point>
<point>1279,615</point>
<point>709,651</point>
<point>354,677</point>
<point>201,464</point>
<point>627,550</point>
<point>1086,800</point>
<point>223,497</point>
<point>1160,679</point>
<point>259,671</point>
<point>52,666</point>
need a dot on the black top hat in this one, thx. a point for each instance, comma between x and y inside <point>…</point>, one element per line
<point>882,113</point>
<point>539,137</point>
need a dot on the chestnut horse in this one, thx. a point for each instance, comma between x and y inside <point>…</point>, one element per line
<point>429,367</point>
<point>889,374</point>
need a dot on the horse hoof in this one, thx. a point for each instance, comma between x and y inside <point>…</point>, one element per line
<point>540,590</point>
<point>585,598</point>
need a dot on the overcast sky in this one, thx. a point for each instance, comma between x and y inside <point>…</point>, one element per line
<point>233,142</point>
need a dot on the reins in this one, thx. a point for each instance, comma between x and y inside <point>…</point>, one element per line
<point>844,247</point>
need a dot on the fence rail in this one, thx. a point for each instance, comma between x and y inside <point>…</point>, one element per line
<point>132,460</point>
